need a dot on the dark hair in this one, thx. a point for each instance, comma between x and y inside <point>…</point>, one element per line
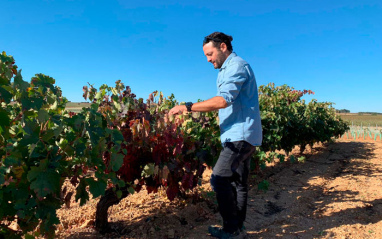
<point>217,38</point>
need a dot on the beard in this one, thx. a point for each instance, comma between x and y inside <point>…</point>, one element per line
<point>220,59</point>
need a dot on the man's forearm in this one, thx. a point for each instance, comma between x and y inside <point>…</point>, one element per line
<point>212,104</point>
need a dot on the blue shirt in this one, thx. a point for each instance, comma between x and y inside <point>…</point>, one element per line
<point>240,120</point>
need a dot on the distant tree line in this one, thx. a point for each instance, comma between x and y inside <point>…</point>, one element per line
<point>360,113</point>
<point>369,113</point>
<point>343,111</point>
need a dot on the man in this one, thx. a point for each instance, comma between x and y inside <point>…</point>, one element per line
<point>240,126</point>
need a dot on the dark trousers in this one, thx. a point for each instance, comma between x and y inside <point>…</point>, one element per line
<point>229,181</point>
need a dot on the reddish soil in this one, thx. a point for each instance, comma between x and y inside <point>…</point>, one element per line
<point>335,193</point>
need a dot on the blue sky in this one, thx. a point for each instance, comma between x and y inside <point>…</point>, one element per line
<point>331,47</point>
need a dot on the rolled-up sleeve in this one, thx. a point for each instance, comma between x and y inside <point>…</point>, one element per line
<point>231,82</point>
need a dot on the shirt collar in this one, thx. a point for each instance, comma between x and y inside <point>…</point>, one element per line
<point>233,54</point>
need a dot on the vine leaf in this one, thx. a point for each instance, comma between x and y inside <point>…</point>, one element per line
<point>263,185</point>
<point>148,170</point>
<point>4,120</point>
<point>172,191</point>
<point>96,188</point>
<point>81,193</point>
<point>19,83</point>
<point>5,93</point>
<point>116,161</point>
<point>43,116</point>
<point>43,181</point>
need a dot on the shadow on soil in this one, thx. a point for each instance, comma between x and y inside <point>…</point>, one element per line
<point>299,194</point>
<point>290,207</point>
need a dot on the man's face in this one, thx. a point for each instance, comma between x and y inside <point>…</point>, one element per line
<point>214,55</point>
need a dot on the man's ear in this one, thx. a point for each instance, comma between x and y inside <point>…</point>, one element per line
<point>223,47</point>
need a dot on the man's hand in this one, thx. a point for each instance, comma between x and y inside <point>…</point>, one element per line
<point>179,109</point>
<point>212,104</point>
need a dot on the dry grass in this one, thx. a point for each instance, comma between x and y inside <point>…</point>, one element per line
<point>364,119</point>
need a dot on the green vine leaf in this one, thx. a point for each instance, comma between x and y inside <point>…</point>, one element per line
<point>96,188</point>
<point>43,181</point>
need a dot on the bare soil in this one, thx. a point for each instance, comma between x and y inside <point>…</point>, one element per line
<point>335,193</point>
